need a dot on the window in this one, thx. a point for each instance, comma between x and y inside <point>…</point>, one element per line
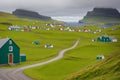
<point>10,42</point>
<point>10,48</point>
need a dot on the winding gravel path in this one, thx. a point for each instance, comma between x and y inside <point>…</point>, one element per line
<point>17,74</point>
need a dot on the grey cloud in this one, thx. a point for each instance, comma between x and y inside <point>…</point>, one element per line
<point>58,7</point>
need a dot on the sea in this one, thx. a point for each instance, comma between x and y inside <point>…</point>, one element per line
<point>73,24</point>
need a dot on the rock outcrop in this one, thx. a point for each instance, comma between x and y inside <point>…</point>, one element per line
<point>104,12</point>
<point>102,15</point>
<point>30,14</point>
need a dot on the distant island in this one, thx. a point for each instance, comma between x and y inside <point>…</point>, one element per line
<point>29,14</point>
<point>102,15</point>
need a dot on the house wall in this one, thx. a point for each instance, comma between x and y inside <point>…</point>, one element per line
<point>4,51</point>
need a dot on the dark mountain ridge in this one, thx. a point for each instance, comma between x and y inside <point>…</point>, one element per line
<point>30,14</point>
<point>102,15</point>
<point>104,12</point>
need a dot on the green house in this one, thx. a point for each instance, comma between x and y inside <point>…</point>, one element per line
<point>104,38</point>
<point>36,43</point>
<point>9,52</point>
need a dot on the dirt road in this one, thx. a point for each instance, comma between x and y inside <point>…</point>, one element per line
<point>17,74</point>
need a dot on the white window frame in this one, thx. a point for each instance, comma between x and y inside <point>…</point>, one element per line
<point>10,48</point>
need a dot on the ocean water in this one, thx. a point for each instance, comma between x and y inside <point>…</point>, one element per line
<point>73,24</point>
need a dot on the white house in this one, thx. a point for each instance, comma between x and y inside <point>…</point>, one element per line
<point>71,30</point>
<point>15,28</point>
<point>78,30</point>
<point>48,29</point>
<point>52,25</point>
<point>100,57</point>
<point>113,39</point>
<point>33,27</point>
<point>49,46</point>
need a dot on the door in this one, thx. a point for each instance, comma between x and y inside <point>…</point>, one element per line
<point>10,58</point>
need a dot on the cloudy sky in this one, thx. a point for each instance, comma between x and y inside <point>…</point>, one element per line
<point>60,9</point>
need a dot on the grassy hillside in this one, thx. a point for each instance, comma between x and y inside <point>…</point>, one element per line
<point>100,20</point>
<point>74,60</point>
<point>6,15</point>
<point>34,53</point>
<point>39,53</point>
<point>14,20</point>
<point>108,69</point>
<point>77,59</point>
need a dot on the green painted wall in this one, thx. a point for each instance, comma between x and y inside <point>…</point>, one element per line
<point>23,58</point>
<point>4,51</point>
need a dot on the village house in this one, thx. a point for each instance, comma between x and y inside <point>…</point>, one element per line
<point>33,27</point>
<point>49,46</point>
<point>60,29</point>
<point>48,29</point>
<point>36,42</point>
<point>100,57</point>
<point>52,25</point>
<point>106,38</point>
<point>19,28</point>
<point>113,39</point>
<point>9,52</point>
<point>15,28</point>
<point>78,30</point>
<point>71,30</point>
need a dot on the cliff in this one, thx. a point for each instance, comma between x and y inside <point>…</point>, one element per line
<point>30,14</point>
<point>104,12</point>
<point>102,15</point>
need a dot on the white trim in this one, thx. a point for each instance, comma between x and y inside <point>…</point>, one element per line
<point>10,41</point>
<point>10,48</point>
<point>8,58</point>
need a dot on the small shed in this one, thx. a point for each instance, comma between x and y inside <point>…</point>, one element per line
<point>22,57</point>
<point>100,57</point>
<point>93,40</point>
<point>113,39</point>
<point>26,29</point>
<point>49,46</point>
<point>36,42</point>
<point>60,29</point>
<point>71,30</point>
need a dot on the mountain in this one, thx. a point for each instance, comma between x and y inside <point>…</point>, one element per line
<point>6,15</point>
<point>102,15</point>
<point>30,14</point>
<point>104,12</point>
<point>6,18</point>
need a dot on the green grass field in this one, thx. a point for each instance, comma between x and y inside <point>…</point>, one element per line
<point>74,60</point>
<point>101,20</point>
<point>107,69</point>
